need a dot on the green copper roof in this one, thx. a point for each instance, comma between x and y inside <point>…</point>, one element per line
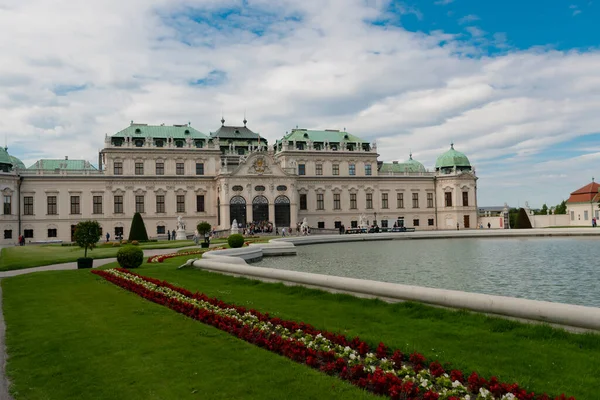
<point>4,157</point>
<point>451,159</point>
<point>408,166</point>
<point>68,165</point>
<point>330,135</point>
<point>17,163</point>
<point>161,131</point>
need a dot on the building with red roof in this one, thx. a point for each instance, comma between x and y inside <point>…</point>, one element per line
<point>583,204</point>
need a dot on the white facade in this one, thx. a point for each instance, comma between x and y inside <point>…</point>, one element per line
<point>282,184</point>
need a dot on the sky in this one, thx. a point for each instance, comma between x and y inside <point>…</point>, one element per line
<point>514,85</point>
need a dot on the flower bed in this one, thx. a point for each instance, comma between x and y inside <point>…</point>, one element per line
<point>162,257</point>
<point>381,371</point>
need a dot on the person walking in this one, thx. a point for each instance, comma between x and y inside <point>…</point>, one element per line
<point>107,237</point>
<point>168,235</point>
<point>489,225</point>
<point>173,234</point>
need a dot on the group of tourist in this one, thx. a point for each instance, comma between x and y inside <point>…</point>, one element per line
<point>258,227</point>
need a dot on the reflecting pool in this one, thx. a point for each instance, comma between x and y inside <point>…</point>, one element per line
<point>564,270</point>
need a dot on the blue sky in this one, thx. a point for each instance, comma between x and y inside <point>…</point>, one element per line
<point>515,85</point>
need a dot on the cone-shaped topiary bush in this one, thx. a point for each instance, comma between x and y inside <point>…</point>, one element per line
<point>138,229</point>
<point>522,221</point>
<point>235,240</point>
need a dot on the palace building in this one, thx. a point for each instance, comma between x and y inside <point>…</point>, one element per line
<point>329,177</point>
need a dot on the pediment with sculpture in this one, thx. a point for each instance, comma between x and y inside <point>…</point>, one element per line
<point>259,163</point>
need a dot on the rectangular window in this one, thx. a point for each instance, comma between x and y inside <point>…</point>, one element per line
<point>199,168</point>
<point>430,222</point>
<point>8,234</point>
<point>369,201</point>
<point>384,200</point>
<point>139,168</point>
<point>97,205</point>
<point>52,233</point>
<point>7,205</point>
<point>384,223</point>
<point>180,203</point>
<point>429,200</point>
<point>320,202</point>
<point>415,222</point>
<point>118,201</point>
<point>353,224</point>
<point>448,199</point>
<point>415,200</point>
<point>321,225</point>
<point>465,199</point>
<point>160,168</point>
<point>368,169</point>
<point>160,203</point>
<point>179,168</point>
<point>118,168</point>
<point>303,205</point>
<point>351,169</point>
<point>337,224</point>
<point>572,215</point>
<point>301,169</point>
<point>28,233</point>
<point>139,204</point>
<point>337,204</point>
<point>75,209</point>
<point>200,203</point>
<point>28,205</point>
<point>585,215</point>
<point>51,202</point>
<point>160,230</point>
<point>335,169</point>
<point>319,169</point>
<point>353,201</point>
<point>399,200</point>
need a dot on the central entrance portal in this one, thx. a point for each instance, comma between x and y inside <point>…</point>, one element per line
<point>237,210</point>
<point>260,209</point>
<point>282,211</point>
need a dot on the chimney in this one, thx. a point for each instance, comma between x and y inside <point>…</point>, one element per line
<point>66,157</point>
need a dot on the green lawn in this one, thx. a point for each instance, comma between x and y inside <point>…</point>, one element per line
<point>70,332</point>
<point>19,257</point>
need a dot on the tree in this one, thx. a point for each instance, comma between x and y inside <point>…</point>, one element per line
<point>138,229</point>
<point>87,234</point>
<point>522,221</point>
<point>561,208</point>
<point>204,228</point>
<point>544,209</point>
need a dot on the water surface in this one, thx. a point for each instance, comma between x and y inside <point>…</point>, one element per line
<point>564,270</point>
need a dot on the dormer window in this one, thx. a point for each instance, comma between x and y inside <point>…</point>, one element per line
<point>237,131</point>
<point>199,144</point>
<point>306,135</point>
<point>139,143</point>
<point>300,146</point>
<point>138,130</point>
<point>346,137</point>
<point>187,131</point>
<point>159,143</point>
<point>179,143</point>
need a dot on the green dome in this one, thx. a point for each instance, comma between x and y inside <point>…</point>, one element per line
<point>4,157</point>
<point>16,163</point>
<point>414,165</point>
<point>451,159</point>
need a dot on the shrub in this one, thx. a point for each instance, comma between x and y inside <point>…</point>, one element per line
<point>116,244</point>
<point>87,234</point>
<point>236,240</point>
<point>522,221</point>
<point>130,257</point>
<point>203,228</point>
<point>135,242</point>
<point>138,229</point>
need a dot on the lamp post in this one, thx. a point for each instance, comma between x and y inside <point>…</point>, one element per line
<point>375,221</point>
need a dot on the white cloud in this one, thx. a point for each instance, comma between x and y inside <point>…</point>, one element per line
<point>443,2</point>
<point>468,18</point>
<point>71,73</point>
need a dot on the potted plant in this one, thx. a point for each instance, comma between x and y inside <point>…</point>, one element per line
<point>87,234</point>
<point>204,231</point>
